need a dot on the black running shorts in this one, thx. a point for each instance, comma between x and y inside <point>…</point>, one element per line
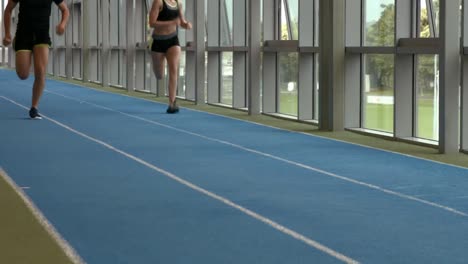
<point>26,39</point>
<point>163,43</point>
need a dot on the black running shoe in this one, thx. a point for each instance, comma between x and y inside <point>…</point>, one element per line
<point>34,114</point>
<point>172,109</point>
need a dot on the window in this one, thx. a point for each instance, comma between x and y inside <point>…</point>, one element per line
<point>226,26</point>
<point>226,78</point>
<point>378,92</point>
<point>428,23</point>
<point>287,84</point>
<point>288,62</point>
<point>426,114</point>
<point>379,28</point>
<point>289,29</point>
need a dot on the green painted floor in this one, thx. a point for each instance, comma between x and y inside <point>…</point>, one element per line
<point>23,240</point>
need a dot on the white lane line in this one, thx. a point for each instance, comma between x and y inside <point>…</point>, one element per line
<point>263,125</point>
<point>271,223</point>
<point>63,244</point>
<point>307,167</point>
<point>407,186</point>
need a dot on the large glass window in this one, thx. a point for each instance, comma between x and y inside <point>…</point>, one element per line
<point>427,75</point>
<point>181,87</point>
<point>427,96</point>
<point>117,40</point>
<point>226,78</point>
<point>289,20</point>
<point>226,39</point>
<point>95,41</point>
<point>181,82</point>
<point>59,41</point>
<point>287,84</point>
<point>182,31</point>
<point>76,22</point>
<point>226,22</point>
<point>2,56</point>
<point>378,92</point>
<point>316,89</point>
<point>379,28</point>
<point>287,62</point>
<point>428,18</point>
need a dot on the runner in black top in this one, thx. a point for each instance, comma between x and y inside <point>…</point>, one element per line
<point>32,40</point>
<point>165,16</point>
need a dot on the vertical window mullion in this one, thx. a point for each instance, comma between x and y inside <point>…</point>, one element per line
<point>414,94</point>
<point>361,92</point>
<point>220,78</point>
<point>418,18</point>
<point>362,70</point>
<point>363,23</point>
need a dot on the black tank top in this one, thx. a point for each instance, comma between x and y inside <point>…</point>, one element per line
<point>168,13</point>
<point>35,14</point>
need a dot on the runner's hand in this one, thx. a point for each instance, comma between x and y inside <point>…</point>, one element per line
<point>186,25</point>
<point>7,41</point>
<point>60,29</point>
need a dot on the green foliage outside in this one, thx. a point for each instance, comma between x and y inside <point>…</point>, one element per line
<point>380,69</point>
<point>288,72</point>
<point>381,33</point>
<point>289,62</point>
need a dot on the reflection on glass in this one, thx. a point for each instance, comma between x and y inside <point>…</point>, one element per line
<point>226,22</point>
<point>226,75</point>
<point>379,23</point>
<point>289,20</point>
<point>427,96</point>
<point>316,89</point>
<point>182,32</point>
<point>317,22</point>
<point>293,8</point>
<point>98,38</point>
<point>261,22</point>
<point>288,79</point>
<point>114,24</point>
<point>181,82</point>
<point>206,20</point>
<point>206,77</point>
<point>429,19</point>
<point>76,17</point>
<point>3,59</point>
<point>378,92</point>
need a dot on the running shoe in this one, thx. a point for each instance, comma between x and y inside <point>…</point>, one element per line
<point>172,109</point>
<point>34,114</point>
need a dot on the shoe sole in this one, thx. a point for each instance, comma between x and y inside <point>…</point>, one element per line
<point>172,111</point>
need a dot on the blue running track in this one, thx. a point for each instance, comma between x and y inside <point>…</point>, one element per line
<point>124,182</point>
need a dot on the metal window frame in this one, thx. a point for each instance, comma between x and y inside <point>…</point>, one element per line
<point>407,47</point>
<point>419,46</point>
<point>464,81</point>
<point>215,17</point>
<point>307,50</point>
<point>3,49</point>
